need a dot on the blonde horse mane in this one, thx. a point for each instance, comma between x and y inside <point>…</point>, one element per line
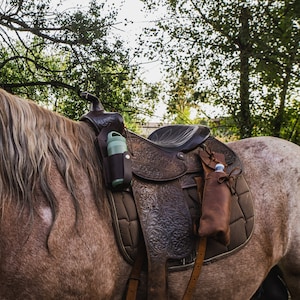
<point>32,140</point>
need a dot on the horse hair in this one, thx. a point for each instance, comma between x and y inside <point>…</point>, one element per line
<point>34,139</point>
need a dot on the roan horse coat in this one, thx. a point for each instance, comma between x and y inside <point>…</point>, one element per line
<point>56,235</point>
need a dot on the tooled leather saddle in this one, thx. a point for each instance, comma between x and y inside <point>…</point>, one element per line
<point>160,203</point>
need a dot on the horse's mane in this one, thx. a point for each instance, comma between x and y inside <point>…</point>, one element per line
<point>32,140</point>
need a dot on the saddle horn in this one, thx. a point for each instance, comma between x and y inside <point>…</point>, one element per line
<point>96,105</point>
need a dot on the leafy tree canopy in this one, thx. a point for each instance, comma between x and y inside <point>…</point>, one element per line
<point>51,54</point>
<point>215,42</point>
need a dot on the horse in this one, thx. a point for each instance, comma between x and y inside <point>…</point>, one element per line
<point>56,234</point>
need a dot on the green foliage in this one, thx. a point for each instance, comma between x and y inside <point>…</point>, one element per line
<point>50,55</point>
<point>225,40</point>
<point>290,129</point>
<point>224,128</point>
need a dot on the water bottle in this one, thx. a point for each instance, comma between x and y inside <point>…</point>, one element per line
<point>116,148</point>
<point>116,143</point>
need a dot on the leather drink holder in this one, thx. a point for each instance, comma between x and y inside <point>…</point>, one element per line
<point>216,199</point>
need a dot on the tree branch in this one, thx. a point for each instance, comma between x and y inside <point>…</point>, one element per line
<point>54,83</point>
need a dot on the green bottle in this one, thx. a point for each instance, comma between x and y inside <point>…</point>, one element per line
<point>116,144</point>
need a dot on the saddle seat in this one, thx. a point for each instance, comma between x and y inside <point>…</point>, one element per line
<point>179,138</point>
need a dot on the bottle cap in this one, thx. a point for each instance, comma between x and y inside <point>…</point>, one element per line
<point>219,168</point>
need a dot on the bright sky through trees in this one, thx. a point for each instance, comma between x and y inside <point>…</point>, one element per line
<point>130,22</point>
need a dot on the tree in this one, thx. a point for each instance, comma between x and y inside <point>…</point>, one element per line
<point>50,55</point>
<point>246,54</point>
<point>182,97</point>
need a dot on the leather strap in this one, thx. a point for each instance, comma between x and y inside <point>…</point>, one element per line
<point>196,270</point>
<point>201,248</point>
<point>134,278</point>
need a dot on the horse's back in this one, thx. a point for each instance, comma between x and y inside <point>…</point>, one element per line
<point>271,166</point>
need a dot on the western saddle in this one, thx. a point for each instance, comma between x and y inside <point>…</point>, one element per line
<point>160,175</point>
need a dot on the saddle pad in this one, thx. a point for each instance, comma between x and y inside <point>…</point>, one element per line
<point>125,223</point>
<point>128,230</point>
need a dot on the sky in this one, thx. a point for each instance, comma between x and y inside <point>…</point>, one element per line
<point>132,11</point>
